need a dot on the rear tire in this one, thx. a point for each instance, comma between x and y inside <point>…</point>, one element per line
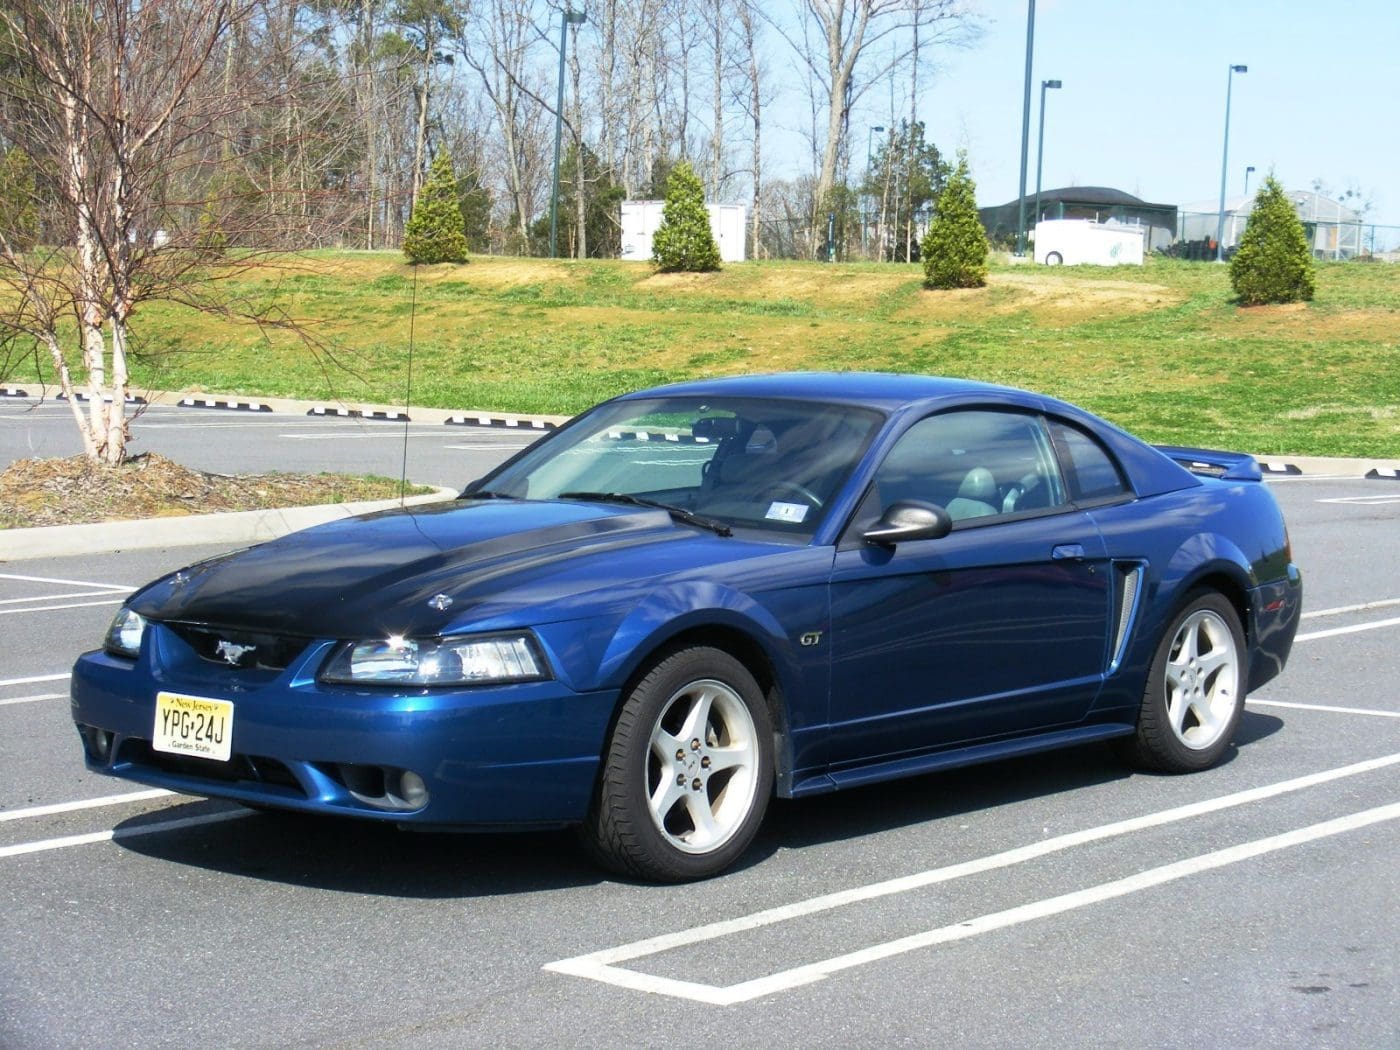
<point>1195,689</point>
<point>688,771</point>
<point>1053,259</point>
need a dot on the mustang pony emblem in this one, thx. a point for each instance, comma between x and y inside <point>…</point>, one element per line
<point>233,652</point>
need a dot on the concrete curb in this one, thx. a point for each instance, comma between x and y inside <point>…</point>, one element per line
<point>248,526</point>
<point>1303,466</point>
<point>341,409</point>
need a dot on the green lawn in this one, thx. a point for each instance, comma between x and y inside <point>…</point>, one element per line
<point>1159,349</point>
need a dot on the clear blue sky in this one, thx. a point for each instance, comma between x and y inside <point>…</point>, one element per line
<point>1143,103</point>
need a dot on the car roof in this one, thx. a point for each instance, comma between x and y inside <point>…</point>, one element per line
<point>883,390</point>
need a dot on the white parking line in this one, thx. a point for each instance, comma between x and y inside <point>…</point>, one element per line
<point>54,597</point>
<point>803,975</point>
<point>488,446</point>
<point>52,608</point>
<point>1365,501</point>
<point>600,965</point>
<point>8,701</point>
<point>1325,707</point>
<point>69,583</point>
<point>35,678</point>
<point>1343,610</point>
<point>1275,479</point>
<point>388,433</point>
<point>1331,632</point>
<point>118,834</point>
<point>85,803</point>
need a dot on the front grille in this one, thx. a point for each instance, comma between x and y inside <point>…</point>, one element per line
<point>248,650</point>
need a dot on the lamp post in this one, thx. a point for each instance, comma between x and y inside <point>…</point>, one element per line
<point>1054,85</point>
<point>570,18</point>
<point>1246,179</point>
<point>1224,163</point>
<point>1025,128</point>
<point>869,154</point>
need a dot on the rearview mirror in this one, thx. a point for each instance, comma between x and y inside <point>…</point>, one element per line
<point>909,519</point>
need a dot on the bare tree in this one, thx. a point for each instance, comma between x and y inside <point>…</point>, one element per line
<point>124,106</point>
<point>752,101</point>
<point>848,31</point>
<point>498,40</point>
<point>426,24</point>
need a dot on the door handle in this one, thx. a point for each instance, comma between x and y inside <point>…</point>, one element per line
<point>1068,550</point>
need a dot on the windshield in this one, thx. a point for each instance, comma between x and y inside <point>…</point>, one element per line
<point>746,462</point>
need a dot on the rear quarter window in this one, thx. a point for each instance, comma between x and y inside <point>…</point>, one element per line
<point>1090,469</point>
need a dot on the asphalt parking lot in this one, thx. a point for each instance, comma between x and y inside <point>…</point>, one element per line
<point>1051,901</point>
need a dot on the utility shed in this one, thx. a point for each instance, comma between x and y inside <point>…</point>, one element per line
<point>640,220</point>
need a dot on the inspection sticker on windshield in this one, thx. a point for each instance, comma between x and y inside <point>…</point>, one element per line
<point>193,725</point>
<point>793,512</point>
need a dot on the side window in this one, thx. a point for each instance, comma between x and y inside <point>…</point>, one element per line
<point>974,464</point>
<point>1092,473</point>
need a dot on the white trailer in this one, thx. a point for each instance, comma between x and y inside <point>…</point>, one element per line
<point>1082,241</point>
<point>640,220</point>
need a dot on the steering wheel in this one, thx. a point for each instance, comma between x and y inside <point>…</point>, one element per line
<point>802,492</point>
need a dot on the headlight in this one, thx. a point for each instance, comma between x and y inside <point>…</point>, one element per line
<point>470,660</point>
<point>124,636</point>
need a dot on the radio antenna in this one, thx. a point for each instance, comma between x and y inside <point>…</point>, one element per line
<point>408,387</point>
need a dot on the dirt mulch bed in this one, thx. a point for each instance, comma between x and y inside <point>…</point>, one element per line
<point>76,491</point>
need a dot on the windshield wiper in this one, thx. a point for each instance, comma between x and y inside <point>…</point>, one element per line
<point>678,513</point>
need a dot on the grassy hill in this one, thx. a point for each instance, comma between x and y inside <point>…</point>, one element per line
<point>1158,349</point>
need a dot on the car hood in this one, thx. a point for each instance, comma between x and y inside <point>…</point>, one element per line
<point>429,570</point>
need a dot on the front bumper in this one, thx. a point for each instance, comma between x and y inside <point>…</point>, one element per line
<point>524,754</point>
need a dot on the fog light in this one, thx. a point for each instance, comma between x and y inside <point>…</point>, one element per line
<point>99,744</point>
<point>412,790</point>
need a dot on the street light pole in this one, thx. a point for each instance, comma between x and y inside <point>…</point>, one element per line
<point>1040,143</point>
<point>1224,163</point>
<point>1246,179</point>
<point>570,17</point>
<point>864,250</point>
<point>1025,127</point>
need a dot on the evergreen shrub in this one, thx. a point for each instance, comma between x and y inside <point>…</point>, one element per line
<point>954,251</point>
<point>1273,263</point>
<point>436,232</point>
<point>684,240</point>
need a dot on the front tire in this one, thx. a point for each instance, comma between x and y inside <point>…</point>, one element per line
<point>1195,689</point>
<point>688,771</point>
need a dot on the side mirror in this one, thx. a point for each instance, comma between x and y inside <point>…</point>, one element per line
<point>909,519</point>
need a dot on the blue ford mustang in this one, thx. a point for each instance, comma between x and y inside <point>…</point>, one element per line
<point>694,597</point>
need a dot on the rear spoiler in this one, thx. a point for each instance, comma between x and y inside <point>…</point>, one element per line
<point>1228,466</point>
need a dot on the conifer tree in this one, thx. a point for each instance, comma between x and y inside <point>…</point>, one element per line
<point>435,232</point>
<point>684,240</point>
<point>1273,264</point>
<point>954,251</point>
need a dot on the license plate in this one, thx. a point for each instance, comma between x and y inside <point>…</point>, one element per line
<point>193,725</point>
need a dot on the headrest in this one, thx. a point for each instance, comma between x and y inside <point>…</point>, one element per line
<point>979,485</point>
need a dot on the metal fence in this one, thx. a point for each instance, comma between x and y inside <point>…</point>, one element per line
<point>1196,233</point>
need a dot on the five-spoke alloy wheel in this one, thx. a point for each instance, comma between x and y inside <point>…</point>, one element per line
<point>1195,689</point>
<point>688,771</point>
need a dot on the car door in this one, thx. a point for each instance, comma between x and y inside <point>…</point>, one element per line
<point>1000,627</point>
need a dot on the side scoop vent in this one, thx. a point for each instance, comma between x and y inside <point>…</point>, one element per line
<point>1129,586</point>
